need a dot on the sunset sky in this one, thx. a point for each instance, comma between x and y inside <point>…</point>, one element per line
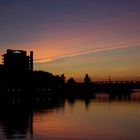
<point>75,37</point>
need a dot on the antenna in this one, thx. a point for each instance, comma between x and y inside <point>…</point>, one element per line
<point>109,79</point>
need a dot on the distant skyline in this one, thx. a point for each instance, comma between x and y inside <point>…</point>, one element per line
<point>75,37</point>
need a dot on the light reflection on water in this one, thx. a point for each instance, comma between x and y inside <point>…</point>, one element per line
<point>100,118</point>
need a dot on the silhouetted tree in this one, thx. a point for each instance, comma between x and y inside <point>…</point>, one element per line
<point>63,78</point>
<point>71,81</point>
<point>87,79</point>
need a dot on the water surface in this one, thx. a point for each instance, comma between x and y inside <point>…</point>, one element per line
<point>99,118</point>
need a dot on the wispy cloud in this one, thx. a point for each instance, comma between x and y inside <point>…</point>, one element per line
<point>114,47</point>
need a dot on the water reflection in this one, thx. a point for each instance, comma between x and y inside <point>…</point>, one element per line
<point>73,118</point>
<point>16,123</point>
<point>16,118</point>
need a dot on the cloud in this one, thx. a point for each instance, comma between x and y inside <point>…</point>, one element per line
<point>114,47</point>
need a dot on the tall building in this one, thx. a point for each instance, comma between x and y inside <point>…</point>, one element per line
<point>18,61</point>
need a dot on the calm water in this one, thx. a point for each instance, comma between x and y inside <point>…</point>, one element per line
<point>101,118</point>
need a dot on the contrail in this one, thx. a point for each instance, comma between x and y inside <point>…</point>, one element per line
<point>114,47</point>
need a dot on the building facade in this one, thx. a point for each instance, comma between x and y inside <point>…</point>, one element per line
<point>18,61</point>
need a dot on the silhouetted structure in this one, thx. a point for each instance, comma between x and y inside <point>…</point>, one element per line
<point>18,80</point>
<point>18,61</point>
<point>87,79</point>
<point>1,68</point>
<point>87,83</point>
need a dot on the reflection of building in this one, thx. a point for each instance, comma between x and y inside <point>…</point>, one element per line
<point>17,60</point>
<point>16,124</point>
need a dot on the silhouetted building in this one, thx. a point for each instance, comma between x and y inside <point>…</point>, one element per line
<point>1,68</point>
<point>17,60</point>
